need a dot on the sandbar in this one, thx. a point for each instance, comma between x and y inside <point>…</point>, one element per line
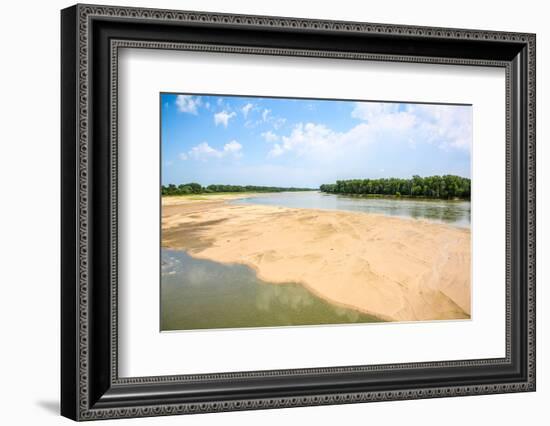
<point>396,269</point>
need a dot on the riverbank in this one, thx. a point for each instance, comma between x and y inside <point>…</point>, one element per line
<point>172,200</point>
<point>392,268</point>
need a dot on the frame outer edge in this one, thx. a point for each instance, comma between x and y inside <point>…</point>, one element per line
<point>82,135</point>
<point>69,192</point>
<point>531,200</point>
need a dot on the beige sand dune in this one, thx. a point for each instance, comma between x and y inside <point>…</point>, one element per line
<point>395,269</point>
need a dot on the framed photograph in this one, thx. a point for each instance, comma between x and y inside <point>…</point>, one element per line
<point>263,212</point>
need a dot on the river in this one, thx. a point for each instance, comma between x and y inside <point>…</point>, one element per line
<point>201,294</point>
<point>452,212</point>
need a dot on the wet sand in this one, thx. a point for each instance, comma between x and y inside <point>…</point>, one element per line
<point>392,268</point>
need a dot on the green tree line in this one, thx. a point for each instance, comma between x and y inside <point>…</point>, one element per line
<point>444,187</point>
<point>196,188</point>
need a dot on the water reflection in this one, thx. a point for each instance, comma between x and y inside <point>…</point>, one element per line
<point>198,294</point>
<point>455,213</point>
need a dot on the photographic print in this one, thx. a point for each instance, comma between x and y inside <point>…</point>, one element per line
<point>298,191</point>
<point>293,212</point>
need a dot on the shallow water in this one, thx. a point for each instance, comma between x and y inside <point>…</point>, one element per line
<point>200,294</point>
<point>456,213</point>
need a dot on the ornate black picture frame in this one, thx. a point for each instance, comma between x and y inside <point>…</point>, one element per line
<point>91,36</point>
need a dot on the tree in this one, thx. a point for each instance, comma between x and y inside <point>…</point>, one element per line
<point>196,188</point>
<point>445,187</point>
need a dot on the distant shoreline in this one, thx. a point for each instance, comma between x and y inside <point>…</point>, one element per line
<point>243,193</point>
<point>194,188</point>
<point>256,193</point>
<point>445,187</point>
<point>397,197</point>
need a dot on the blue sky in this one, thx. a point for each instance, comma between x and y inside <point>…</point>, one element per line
<point>304,142</point>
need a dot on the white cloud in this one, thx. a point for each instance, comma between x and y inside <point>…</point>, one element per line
<point>183,156</point>
<point>188,103</point>
<point>309,138</point>
<point>269,136</point>
<point>268,117</point>
<point>371,111</point>
<point>444,126</point>
<point>204,151</point>
<point>233,148</point>
<point>279,122</point>
<point>223,117</point>
<point>447,126</point>
<point>276,150</point>
<point>246,109</point>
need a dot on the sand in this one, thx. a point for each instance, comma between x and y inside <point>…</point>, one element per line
<point>395,269</point>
